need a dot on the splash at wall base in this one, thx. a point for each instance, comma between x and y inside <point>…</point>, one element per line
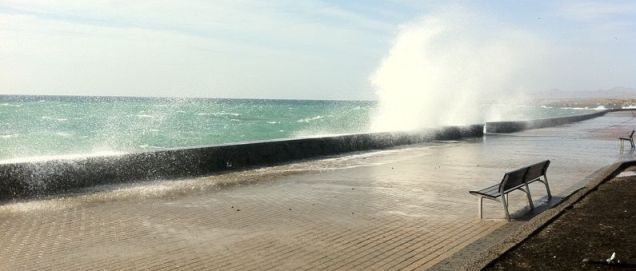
<point>32,179</point>
<point>29,179</point>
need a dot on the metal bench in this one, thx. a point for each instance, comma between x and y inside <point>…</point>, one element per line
<point>515,180</point>
<point>630,139</point>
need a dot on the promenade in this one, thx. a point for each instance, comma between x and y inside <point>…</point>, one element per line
<point>405,208</point>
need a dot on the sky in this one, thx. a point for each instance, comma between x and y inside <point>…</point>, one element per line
<point>312,49</point>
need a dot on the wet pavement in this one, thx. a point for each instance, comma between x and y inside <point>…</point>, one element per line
<point>406,208</point>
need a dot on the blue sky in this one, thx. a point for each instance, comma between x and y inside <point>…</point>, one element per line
<point>282,48</point>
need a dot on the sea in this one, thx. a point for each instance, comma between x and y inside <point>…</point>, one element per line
<point>45,127</point>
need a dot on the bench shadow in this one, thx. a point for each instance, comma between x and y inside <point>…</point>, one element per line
<point>540,206</point>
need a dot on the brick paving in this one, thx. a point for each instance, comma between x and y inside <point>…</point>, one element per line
<point>402,209</point>
<point>177,234</point>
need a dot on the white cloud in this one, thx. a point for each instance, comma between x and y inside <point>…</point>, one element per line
<point>274,49</point>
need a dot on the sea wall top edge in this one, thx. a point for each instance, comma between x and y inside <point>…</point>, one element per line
<point>563,117</point>
<point>379,135</point>
<point>421,132</point>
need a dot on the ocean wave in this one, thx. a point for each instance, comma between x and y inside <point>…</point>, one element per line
<point>144,116</point>
<point>31,159</point>
<point>147,146</point>
<point>7,136</point>
<point>600,107</point>
<point>64,134</point>
<point>10,105</point>
<point>222,113</point>
<point>53,118</point>
<point>306,120</point>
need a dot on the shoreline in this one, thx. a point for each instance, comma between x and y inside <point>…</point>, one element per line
<point>32,179</point>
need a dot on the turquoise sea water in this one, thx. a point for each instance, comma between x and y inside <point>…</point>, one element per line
<point>35,126</point>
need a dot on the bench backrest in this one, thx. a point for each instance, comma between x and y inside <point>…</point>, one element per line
<point>537,170</point>
<point>513,179</point>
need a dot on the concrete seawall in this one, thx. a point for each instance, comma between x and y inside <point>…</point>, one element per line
<point>20,180</point>
<point>28,179</point>
<point>516,126</point>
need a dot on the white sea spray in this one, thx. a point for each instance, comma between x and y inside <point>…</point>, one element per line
<point>448,69</point>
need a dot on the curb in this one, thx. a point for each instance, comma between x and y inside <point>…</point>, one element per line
<point>542,220</point>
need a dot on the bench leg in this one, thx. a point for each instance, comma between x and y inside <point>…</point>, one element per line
<point>529,197</point>
<point>481,204</point>
<point>631,141</point>
<point>504,201</point>
<point>547,187</point>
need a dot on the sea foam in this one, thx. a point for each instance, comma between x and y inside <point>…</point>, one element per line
<point>448,69</point>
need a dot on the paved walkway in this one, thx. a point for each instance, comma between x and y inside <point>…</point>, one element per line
<point>405,208</point>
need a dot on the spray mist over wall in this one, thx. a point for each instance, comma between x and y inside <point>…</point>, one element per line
<point>451,69</point>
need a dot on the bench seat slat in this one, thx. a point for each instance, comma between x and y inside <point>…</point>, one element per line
<point>491,191</point>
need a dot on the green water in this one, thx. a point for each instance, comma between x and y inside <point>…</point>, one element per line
<point>35,126</point>
<point>38,126</point>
